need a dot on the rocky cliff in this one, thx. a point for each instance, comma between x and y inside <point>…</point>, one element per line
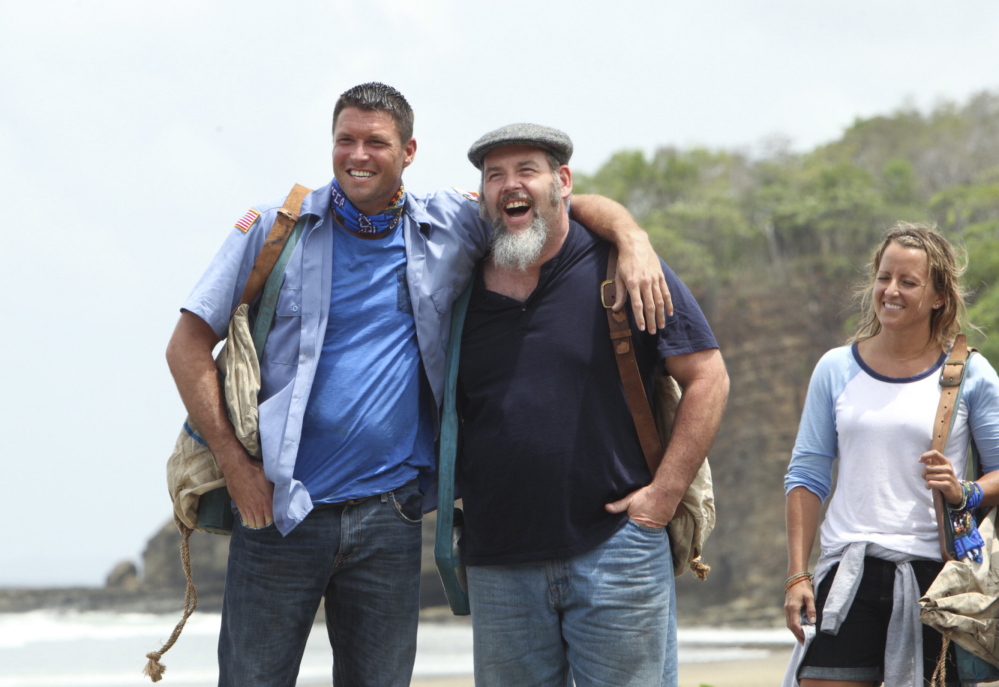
<point>771,336</point>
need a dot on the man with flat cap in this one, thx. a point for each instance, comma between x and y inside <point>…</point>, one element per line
<point>352,377</point>
<point>568,560</point>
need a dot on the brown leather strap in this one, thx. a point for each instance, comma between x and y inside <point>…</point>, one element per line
<point>627,365</point>
<point>287,216</point>
<point>950,385</point>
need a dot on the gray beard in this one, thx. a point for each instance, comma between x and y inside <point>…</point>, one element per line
<point>521,250</point>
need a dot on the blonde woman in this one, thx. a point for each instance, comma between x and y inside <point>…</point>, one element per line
<point>870,410</point>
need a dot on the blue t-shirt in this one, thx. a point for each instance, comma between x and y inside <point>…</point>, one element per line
<point>362,432</point>
<point>547,437</point>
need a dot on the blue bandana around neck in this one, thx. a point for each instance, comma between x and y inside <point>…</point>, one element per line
<point>366,226</point>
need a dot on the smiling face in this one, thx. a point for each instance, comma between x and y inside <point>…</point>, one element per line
<point>904,296</point>
<point>368,157</point>
<point>518,185</point>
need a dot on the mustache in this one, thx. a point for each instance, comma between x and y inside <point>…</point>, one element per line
<point>514,195</point>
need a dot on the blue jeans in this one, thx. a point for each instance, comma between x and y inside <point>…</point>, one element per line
<point>363,558</point>
<point>606,617</point>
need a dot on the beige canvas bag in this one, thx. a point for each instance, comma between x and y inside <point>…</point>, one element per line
<point>963,601</point>
<point>192,470</point>
<point>695,516</point>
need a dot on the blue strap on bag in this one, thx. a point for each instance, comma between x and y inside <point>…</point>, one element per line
<point>450,522</point>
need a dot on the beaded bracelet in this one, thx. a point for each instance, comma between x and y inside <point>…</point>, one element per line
<point>795,579</point>
<point>964,499</point>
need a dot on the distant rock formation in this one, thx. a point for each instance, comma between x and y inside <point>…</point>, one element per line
<point>123,576</point>
<point>162,567</point>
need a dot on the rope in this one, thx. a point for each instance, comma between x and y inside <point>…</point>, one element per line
<point>700,568</point>
<point>154,669</point>
<point>939,678</point>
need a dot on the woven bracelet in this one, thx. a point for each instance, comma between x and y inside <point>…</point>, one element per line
<point>795,579</point>
<point>975,496</point>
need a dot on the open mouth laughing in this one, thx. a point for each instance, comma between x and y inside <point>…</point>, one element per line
<point>516,206</point>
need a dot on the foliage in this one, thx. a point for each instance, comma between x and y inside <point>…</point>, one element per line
<point>722,217</point>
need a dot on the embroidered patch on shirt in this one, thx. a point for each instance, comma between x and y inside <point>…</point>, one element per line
<point>471,195</point>
<point>247,220</point>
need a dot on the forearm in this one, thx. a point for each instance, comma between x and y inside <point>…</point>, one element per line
<point>802,521</point>
<point>696,423</point>
<point>189,356</point>
<point>606,218</point>
<point>989,483</point>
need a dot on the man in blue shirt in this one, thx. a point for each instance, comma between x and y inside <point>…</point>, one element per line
<point>352,377</point>
<point>568,561</point>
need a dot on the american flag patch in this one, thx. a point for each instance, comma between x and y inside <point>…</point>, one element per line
<point>247,220</point>
<point>471,195</point>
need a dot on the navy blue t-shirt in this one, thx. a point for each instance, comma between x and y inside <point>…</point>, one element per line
<point>547,437</point>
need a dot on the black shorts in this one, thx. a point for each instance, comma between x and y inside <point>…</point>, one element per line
<point>857,651</point>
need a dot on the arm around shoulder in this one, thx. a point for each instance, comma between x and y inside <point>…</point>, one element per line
<point>638,265</point>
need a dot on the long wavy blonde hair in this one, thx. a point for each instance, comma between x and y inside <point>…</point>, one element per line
<point>945,275</point>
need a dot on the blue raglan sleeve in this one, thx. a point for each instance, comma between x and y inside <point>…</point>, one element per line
<point>981,393</point>
<point>815,448</point>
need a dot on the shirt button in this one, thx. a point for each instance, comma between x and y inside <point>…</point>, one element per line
<point>294,308</point>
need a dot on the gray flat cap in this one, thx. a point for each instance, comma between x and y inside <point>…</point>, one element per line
<point>552,140</point>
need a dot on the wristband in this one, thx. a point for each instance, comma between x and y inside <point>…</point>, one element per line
<point>795,579</point>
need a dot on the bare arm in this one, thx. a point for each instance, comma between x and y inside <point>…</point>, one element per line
<point>802,513</point>
<point>704,381</point>
<point>189,355</point>
<point>638,265</point>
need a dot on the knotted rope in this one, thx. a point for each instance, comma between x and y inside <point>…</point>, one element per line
<point>939,678</point>
<point>154,669</point>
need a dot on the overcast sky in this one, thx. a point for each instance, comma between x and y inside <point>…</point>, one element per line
<point>133,135</point>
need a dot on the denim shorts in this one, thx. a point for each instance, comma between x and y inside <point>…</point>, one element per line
<point>857,651</point>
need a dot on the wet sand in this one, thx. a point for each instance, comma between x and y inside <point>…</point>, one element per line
<point>759,672</point>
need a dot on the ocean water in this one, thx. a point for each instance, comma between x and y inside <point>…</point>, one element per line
<point>73,649</point>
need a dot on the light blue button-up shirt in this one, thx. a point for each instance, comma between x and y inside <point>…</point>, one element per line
<point>444,238</point>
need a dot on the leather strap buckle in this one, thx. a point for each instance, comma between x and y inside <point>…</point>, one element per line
<point>605,296</point>
<point>949,379</point>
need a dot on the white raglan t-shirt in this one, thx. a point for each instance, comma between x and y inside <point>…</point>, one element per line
<point>878,427</point>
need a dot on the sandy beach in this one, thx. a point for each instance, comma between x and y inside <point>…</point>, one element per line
<point>762,672</point>
<point>757,672</point>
